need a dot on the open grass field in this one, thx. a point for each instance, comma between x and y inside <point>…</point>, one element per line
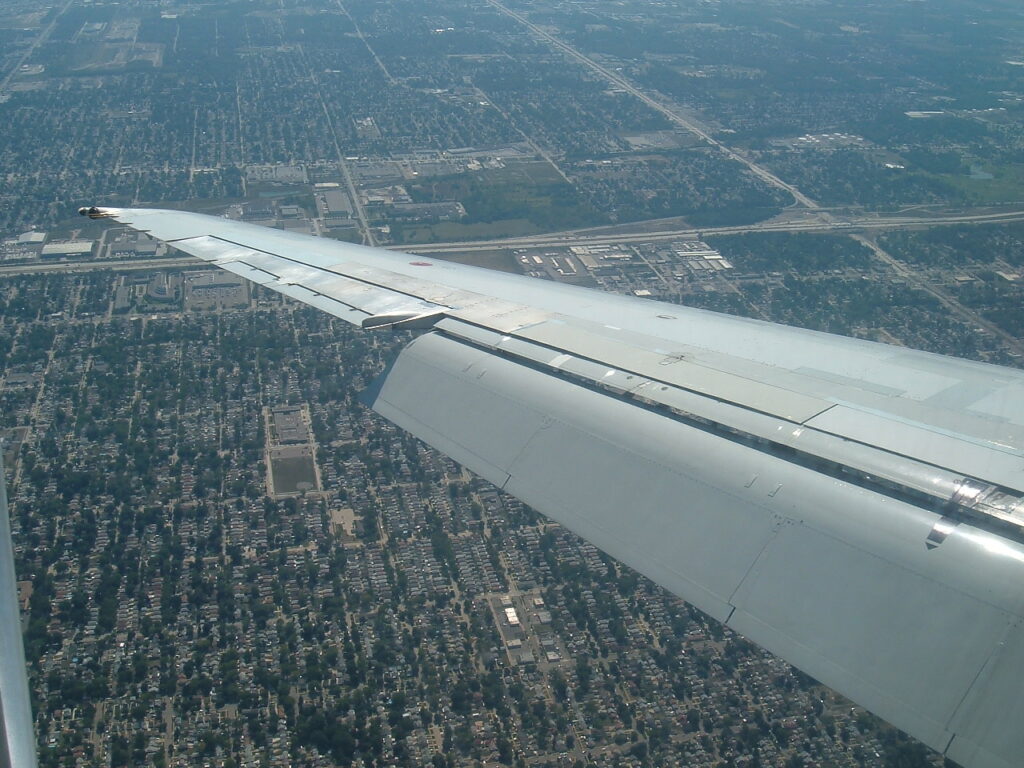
<point>293,474</point>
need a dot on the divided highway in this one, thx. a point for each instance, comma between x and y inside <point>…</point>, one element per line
<point>851,226</point>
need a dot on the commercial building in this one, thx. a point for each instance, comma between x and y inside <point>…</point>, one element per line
<point>74,249</point>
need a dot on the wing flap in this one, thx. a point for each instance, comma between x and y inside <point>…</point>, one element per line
<point>514,424</point>
<point>834,610</point>
<point>985,733</point>
<point>832,576</point>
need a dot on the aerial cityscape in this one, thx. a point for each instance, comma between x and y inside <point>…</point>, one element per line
<point>226,560</point>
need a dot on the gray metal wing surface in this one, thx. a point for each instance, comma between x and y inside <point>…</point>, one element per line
<point>17,735</point>
<point>854,507</point>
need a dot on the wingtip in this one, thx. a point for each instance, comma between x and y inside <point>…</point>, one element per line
<point>93,212</point>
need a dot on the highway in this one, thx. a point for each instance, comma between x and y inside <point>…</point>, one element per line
<point>851,226</point>
<point>965,313</point>
<point>114,265</point>
<point>346,172</point>
<point>43,36</point>
<point>618,80</point>
<point>848,225</point>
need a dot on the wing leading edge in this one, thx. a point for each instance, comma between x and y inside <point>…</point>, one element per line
<point>853,507</point>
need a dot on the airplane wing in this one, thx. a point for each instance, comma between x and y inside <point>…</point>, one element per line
<point>17,735</point>
<point>855,508</point>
